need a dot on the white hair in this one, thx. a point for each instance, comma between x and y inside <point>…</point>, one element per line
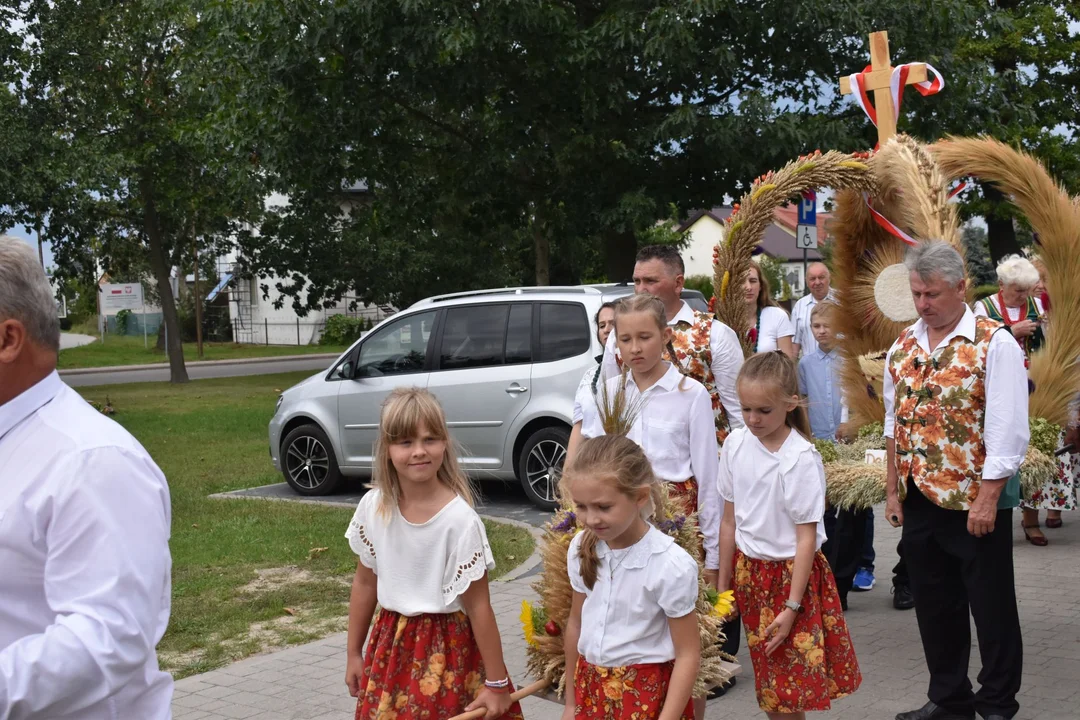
<point>25,293</point>
<point>1019,271</point>
<point>936,258</point>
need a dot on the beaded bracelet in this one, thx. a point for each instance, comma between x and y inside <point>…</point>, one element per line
<point>498,685</point>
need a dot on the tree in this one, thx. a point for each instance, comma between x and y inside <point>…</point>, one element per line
<point>980,268</point>
<point>1014,75</point>
<point>502,135</point>
<point>141,173</point>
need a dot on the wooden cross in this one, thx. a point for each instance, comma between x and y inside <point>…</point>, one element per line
<point>878,80</point>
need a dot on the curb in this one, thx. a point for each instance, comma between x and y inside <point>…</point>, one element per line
<point>198,363</point>
<point>523,569</point>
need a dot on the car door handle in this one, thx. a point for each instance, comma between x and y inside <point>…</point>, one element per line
<point>516,389</point>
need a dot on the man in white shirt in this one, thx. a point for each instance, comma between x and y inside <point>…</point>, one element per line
<point>956,409</point>
<point>817,279</point>
<point>84,532</point>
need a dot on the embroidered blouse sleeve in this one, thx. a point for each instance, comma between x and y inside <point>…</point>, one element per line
<point>468,560</point>
<point>359,533</point>
<point>980,309</point>
<point>804,488</point>
<point>573,565</point>
<point>673,579</point>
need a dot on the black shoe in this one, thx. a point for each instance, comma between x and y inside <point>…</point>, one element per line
<point>902,599</point>
<point>720,690</point>
<point>930,711</point>
<point>995,717</point>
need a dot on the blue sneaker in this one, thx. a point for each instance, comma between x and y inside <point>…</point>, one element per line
<point>864,580</point>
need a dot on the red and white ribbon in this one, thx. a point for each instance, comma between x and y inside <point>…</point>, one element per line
<point>897,83</point>
<point>889,226</point>
<point>958,189</point>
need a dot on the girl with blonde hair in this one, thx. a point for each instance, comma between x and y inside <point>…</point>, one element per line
<point>434,650</point>
<point>631,642</point>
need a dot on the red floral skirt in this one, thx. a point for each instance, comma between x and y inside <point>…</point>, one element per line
<point>426,666</point>
<point>816,663</point>
<point>634,692</point>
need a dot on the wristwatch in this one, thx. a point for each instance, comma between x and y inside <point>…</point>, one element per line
<point>793,606</point>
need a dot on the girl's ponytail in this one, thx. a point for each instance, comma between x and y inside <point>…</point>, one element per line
<point>590,563</point>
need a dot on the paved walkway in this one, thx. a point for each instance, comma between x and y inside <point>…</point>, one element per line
<point>74,340</point>
<point>307,682</point>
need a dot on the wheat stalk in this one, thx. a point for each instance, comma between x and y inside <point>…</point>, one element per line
<point>746,225</point>
<point>1055,216</point>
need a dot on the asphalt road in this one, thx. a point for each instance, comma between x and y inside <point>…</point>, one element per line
<point>197,372</point>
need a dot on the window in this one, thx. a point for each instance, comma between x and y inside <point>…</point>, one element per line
<point>474,336</point>
<point>564,331</point>
<point>397,348</point>
<point>519,334</point>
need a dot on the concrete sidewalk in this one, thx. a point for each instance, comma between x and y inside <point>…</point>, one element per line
<point>308,682</point>
<point>197,364</point>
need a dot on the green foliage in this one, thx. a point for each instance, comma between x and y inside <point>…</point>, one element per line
<point>827,450</point>
<point>773,270</point>
<point>502,134</point>
<point>122,319</point>
<point>871,431</point>
<point>980,268</point>
<point>702,283</point>
<point>1045,435</point>
<point>344,330</point>
<point>982,291</point>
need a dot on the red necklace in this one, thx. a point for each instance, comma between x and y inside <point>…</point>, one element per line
<point>1005,311</point>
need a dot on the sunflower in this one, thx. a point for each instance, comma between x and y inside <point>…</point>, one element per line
<point>527,623</point>
<point>722,602</point>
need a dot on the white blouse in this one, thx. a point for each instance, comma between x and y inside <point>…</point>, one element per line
<point>624,620</point>
<point>421,567</point>
<point>584,397</point>
<point>775,324</point>
<point>676,428</point>
<point>772,492</point>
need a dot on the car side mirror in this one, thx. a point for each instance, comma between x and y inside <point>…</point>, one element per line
<point>345,370</point>
<point>358,372</point>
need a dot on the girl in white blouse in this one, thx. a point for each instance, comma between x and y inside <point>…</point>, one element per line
<point>773,485</point>
<point>434,649</point>
<point>770,326</point>
<point>674,421</point>
<point>631,641</point>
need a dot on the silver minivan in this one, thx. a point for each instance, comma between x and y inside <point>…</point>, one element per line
<point>504,364</point>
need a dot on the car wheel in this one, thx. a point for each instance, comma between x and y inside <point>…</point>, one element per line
<point>540,465</point>
<point>308,462</point>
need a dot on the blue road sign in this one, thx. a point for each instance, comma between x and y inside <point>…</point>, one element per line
<point>808,209</point>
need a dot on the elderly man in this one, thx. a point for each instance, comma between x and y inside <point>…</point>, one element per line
<point>708,351</point>
<point>956,405</point>
<point>84,532</point>
<point>817,279</point>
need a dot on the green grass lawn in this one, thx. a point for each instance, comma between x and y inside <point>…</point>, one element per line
<point>247,574</point>
<point>129,350</point>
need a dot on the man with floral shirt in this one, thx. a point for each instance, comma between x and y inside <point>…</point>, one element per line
<point>956,404</point>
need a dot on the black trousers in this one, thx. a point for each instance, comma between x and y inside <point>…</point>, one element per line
<point>953,573</point>
<point>845,531</point>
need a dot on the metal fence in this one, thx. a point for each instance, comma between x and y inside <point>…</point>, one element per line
<point>277,333</point>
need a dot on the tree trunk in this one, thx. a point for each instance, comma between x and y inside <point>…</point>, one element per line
<point>159,264</point>
<point>1000,231</point>
<point>542,247</point>
<point>40,248</point>
<point>620,251</point>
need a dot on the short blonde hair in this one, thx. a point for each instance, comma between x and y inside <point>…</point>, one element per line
<point>825,308</point>
<point>405,411</point>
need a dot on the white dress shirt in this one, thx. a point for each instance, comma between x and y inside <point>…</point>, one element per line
<point>1005,419</point>
<point>422,568</point>
<point>624,620</point>
<point>800,318</point>
<point>772,493</point>
<point>84,564</point>
<point>775,324</point>
<point>727,360</point>
<point>675,428</point>
<point>584,396</point>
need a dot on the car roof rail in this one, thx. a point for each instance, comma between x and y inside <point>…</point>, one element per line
<point>550,290</point>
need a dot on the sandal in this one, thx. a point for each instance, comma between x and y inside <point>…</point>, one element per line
<point>1036,540</point>
<point>1053,523</point>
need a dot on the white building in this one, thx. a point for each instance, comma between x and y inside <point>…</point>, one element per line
<point>706,229</point>
<point>256,319</point>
